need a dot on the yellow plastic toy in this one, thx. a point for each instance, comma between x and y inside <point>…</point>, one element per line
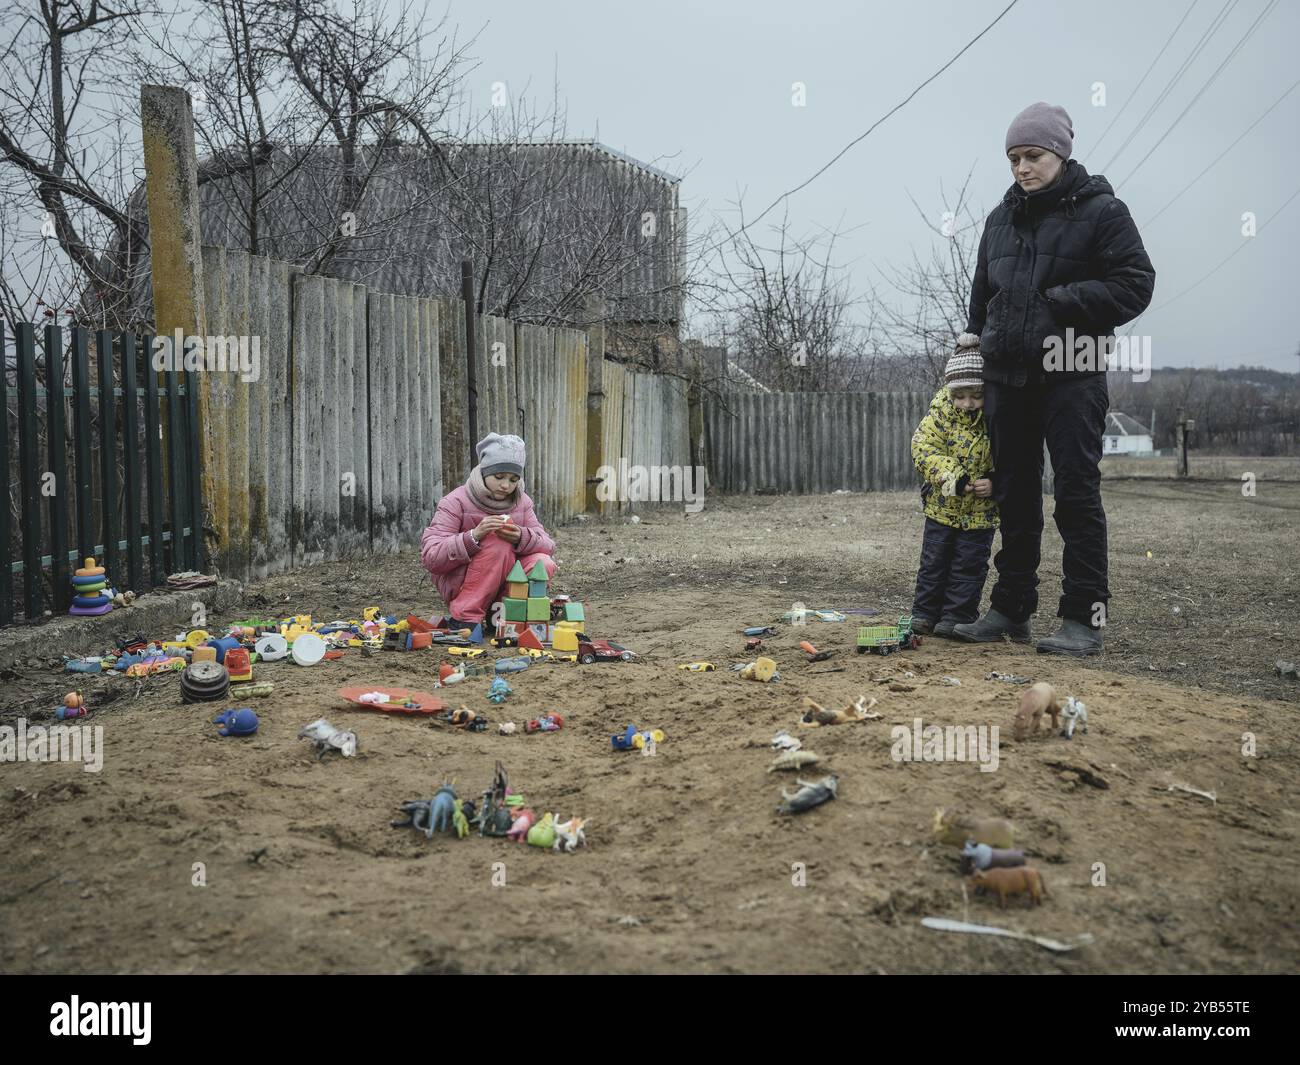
<point>465,652</point>
<point>763,669</point>
<point>564,639</point>
<point>638,741</point>
<point>196,638</point>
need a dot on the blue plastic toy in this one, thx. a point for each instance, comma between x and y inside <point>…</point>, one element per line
<point>240,721</point>
<point>513,665</point>
<point>499,690</point>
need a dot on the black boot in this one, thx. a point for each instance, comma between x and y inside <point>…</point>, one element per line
<point>992,627</point>
<point>944,628</point>
<point>1074,638</point>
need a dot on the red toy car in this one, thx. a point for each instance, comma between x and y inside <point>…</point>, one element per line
<point>590,651</point>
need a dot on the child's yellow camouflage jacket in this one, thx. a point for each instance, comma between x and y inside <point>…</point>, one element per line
<point>947,445</point>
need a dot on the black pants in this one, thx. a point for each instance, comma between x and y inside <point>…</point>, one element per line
<point>954,565</point>
<point>1070,415</point>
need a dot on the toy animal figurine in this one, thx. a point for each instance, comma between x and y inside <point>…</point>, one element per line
<point>522,823</point>
<point>808,795</point>
<point>499,690</point>
<point>1040,698</point>
<point>419,815</point>
<point>240,722</point>
<point>507,728</point>
<point>328,738</point>
<point>1023,880</point>
<point>542,834</point>
<point>979,856</point>
<point>458,819</point>
<point>955,829</point>
<point>569,835</point>
<point>794,760</point>
<point>783,741</point>
<point>1074,713</point>
<point>816,715</point>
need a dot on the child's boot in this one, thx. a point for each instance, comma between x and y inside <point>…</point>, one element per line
<point>992,627</point>
<point>1074,638</point>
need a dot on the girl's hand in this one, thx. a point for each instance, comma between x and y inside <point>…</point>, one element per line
<point>509,531</point>
<point>983,487</point>
<point>488,525</point>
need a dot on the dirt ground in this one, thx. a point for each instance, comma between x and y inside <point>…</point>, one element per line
<point>689,868</point>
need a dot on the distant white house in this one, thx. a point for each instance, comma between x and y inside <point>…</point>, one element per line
<point>1125,436</point>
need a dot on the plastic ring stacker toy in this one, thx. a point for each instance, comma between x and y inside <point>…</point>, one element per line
<point>90,570</point>
<point>272,647</point>
<point>91,611</point>
<point>308,649</point>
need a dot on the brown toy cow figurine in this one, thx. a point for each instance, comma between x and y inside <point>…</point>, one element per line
<point>1024,879</point>
<point>1038,699</point>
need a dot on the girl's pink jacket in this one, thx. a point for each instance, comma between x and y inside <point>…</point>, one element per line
<point>446,546</point>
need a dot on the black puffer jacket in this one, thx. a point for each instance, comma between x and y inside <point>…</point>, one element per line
<point>1065,256</point>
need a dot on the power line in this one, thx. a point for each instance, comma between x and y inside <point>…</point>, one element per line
<point>1178,74</point>
<point>1221,154</point>
<point>843,151</point>
<point>1209,81</point>
<point>1154,63</point>
<point>1228,258</point>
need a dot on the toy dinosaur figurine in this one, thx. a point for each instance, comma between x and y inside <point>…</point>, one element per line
<point>808,795</point>
<point>522,823</point>
<point>419,815</point>
<point>458,819</point>
<point>569,835</point>
<point>444,803</point>
<point>980,856</point>
<point>328,738</point>
<point>815,714</point>
<point>542,834</point>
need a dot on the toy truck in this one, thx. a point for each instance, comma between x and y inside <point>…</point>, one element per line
<point>885,639</point>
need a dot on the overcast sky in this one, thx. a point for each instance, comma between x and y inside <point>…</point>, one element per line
<point>706,86</point>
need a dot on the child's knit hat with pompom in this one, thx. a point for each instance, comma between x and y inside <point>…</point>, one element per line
<point>965,367</point>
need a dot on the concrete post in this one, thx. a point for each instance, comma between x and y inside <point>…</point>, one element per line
<point>175,245</point>
<point>594,315</point>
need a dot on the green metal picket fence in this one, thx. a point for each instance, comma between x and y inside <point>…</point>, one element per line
<point>105,464</point>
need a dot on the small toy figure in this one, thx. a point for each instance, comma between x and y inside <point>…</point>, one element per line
<point>546,723</point>
<point>634,739</point>
<point>783,741</point>
<point>422,814</point>
<point>978,856</point>
<point>698,667</point>
<point>761,669</point>
<point>1040,698</point>
<point>753,644</point>
<point>808,795</point>
<point>238,722</point>
<point>794,760</point>
<point>1023,880</point>
<point>520,825</point>
<point>328,738</point>
<point>569,835</point>
<point>816,715</point>
<point>956,829</point>
<point>499,690</point>
<point>542,834</point>
<point>458,819</point>
<point>506,728</point>
<point>761,630</point>
<point>1074,713</point>
<point>444,804</point>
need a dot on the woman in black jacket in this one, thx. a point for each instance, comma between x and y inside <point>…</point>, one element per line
<point>1061,266</point>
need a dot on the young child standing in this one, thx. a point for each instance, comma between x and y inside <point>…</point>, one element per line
<point>951,450</point>
<point>480,529</point>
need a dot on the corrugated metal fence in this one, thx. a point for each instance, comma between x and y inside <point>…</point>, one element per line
<point>810,442</point>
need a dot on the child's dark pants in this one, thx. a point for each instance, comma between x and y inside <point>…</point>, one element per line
<point>1070,415</point>
<point>954,564</point>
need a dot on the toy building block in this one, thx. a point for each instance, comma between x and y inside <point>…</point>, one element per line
<point>564,639</point>
<point>538,572</point>
<point>528,638</point>
<point>541,630</point>
<point>539,609</point>
<point>574,612</point>
<point>515,609</point>
<point>517,586</point>
<point>537,590</point>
